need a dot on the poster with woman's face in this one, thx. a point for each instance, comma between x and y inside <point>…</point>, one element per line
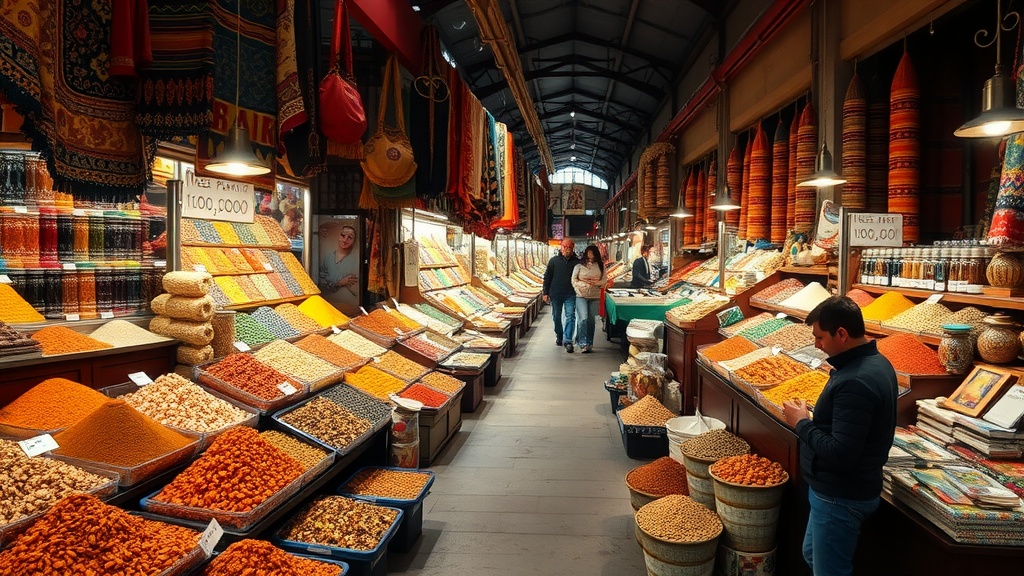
<point>336,248</point>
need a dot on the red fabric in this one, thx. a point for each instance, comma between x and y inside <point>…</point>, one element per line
<point>130,45</point>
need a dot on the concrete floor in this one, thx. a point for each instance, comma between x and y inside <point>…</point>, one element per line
<point>533,484</point>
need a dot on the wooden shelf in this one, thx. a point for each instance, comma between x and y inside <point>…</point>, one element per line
<point>805,270</point>
<point>258,303</point>
<point>438,265</point>
<point>970,299</point>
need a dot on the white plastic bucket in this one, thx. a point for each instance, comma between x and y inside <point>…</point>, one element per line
<point>682,428</point>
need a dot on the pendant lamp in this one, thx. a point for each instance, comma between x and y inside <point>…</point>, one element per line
<point>824,172</point>
<point>999,116</point>
<point>723,200</point>
<point>238,158</point>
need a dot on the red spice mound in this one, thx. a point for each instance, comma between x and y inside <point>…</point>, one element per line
<point>909,355</point>
<point>662,477</point>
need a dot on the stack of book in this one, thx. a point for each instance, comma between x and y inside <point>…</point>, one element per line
<point>948,427</point>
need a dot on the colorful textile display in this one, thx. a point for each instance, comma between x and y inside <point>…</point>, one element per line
<point>855,133</point>
<point>745,192</point>
<point>711,216</point>
<point>794,135</point>
<point>780,180</point>
<point>759,193</point>
<point>430,107</point>
<point>54,59</point>
<point>698,214</point>
<point>690,202</point>
<point>992,193</point>
<point>905,148</point>
<point>509,211</point>
<point>663,194</point>
<point>734,178</point>
<point>806,151</point>
<point>1007,229</point>
<point>878,147</point>
<point>302,148</point>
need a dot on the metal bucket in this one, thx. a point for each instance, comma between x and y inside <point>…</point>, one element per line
<point>664,558</point>
<point>734,563</point>
<point>750,514</point>
<point>638,498</point>
<point>699,480</point>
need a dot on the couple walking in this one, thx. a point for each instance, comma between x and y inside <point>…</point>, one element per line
<point>573,288</point>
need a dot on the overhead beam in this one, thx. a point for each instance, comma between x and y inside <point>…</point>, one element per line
<point>602,43</point>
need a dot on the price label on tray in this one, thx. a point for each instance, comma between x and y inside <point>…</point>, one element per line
<point>21,209</point>
<point>933,299</point>
<point>106,315</point>
<point>72,317</point>
<point>5,279</point>
<point>78,212</point>
<point>816,362</point>
<point>200,268</point>
<point>38,445</point>
<point>335,329</point>
<point>287,388</point>
<point>242,346</point>
<point>776,350</point>
<point>780,315</point>
<point>68,266</point>
<point>140,378</point>
<point>268,267</point>
<point>211,536</point>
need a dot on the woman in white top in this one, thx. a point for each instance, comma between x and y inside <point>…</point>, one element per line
<point>588,278</point>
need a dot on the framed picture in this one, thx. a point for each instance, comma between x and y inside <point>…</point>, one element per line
<point>981,387</point>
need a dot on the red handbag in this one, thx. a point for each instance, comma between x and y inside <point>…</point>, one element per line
<point>342,117</point>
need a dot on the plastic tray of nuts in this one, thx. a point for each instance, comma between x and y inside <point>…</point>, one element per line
<point>264,405</point>
<point>375,424</point>
<point>347,490</point>
<point>337,551</point>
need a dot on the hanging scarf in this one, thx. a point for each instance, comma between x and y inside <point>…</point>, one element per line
<point>430,107</point>
<point>806,152</point>
<point>794,139</point>
<point>303,148</point>
<point>905,148</point>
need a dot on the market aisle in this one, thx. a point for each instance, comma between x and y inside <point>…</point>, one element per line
<point>534,482</point>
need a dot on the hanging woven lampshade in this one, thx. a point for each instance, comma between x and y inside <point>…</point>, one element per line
<point>855,132</point>
<point>806,151</point>
<point>702,192</point>
<point>905,148</point>
<point>780,179</point>
<point>794,135</point>
<point>711,216</point>
<point>877,169</point>
<point>759,191</point>
<point>734,178</point>
<point>690,201</point>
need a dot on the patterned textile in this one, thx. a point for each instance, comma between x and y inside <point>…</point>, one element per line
<point>711,216</point>
<point>509,218</point>
<point>734,178</point>
<point>806,151</point>
<point>690,202</point>
<point>302,150</point>
<point>745,193</point>
<point>780,180</point>
<point>992,190</point>
<point>53,68</point>
<point>490,176</point>
<point>130,46</point>
<point>878,147</point>
<point>794,135</point>
<point>1007,229</point>
<point>698,218</point>
<point>256,91</point>
<point>905,148</point>
<point>291,111</point>
<point>855,133</point>
<point>428,131</point>
<point>759,193</point>
<point>664,184</point>
<point>175,96</point>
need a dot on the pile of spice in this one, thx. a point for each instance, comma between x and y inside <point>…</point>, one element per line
<point>249,375</point>
<point>789,337</point>
<point>909,355</point>
<point>764,328</point>
<point>807,386</point>
<point>322,312</point>
<point>860,297</point>
<point>745,360</point>
<point>430,398</point>
<point>60,340</point>
<point>380,323</point>
<point>678,518</point>
<point>297,363</point>
<point>925,317</point>
<point>304,453</point>
<point>444,382</point>
<point>375,382</point>
<point>327,421</point>
<point>359,403</point>
<point>14,309</point>
<point>646,411</point>
<point>728,349</point>
<point>115,433</point>
<point>261,557</point>
<point>356,344</point>
<point>399,366</point>
<point>970,316</point>
<point>341,523</point>
<point>52,404</point>
<point>273,322</point>
<point>779,291</point>
<point>734,329</point>
<point>886,306</point>
<point>237,473</point>
<point>749,470</point>
<point>662,477</point>
<point>13,342</point>
<point>321,347</point>
<point>179,403</point>
<point>302,323</point>
<point>807,298</point>
<point>714,444</point>
<point>82,535</point>
<point>408,323</point>
<point>771,371</point>
<point>124,333</point>
<point>250,331</point>
<point>384,483</point>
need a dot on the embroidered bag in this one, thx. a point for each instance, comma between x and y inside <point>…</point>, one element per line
<point>388,158</point>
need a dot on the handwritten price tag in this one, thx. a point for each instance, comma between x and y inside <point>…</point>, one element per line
<point>140,378</point>
<point>38,445</point>
<point>286,388</point>
<point>211,536</point>
<point>242,346</point>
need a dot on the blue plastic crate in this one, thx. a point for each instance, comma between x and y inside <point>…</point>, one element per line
<point>412,523</point>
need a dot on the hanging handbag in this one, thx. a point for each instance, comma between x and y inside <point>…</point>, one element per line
<point>388,158</point>
<point>342,117</point>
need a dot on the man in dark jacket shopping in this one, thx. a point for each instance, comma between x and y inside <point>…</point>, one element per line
<point>558,292</point>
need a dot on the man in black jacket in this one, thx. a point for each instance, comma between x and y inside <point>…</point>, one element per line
<point>843,449</point>
<point>642,269</point>
<point>558,292</point>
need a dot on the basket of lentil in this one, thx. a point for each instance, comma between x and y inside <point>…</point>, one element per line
<point>748,495</point>
<point>678,536</point>
<point>651,481</point>
<point>246,379</point>
<point>396,487</point>
<point>702,451</point>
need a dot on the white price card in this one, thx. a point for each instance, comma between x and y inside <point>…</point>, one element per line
<point>364,311</point>
<point>106,315</point>
<point>780,315</point>
<point>160,263</point>
<point>385,307</point>
<point>78,212</point>
<point>933,299</point>
<point>816,362</point>
<point>5,279</point>
<point>396,303</point>
<point>335,329</point>
<point>72,317</point>
<point>21,209</point>
<point>199,268</point>
<point>268,267</point>
<point>776,350</point>
<point>38,445</point>
<point>211,536</point>
<point>242,346</point>
<point>68,266</point>
<point>376,360</point>
<point>286,388</point>
<point>876,230</point>
<point>140,378</point>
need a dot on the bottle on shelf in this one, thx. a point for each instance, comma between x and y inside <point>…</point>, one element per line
<point>941,269</point>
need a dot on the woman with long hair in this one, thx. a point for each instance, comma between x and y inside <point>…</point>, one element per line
<point>588,278</point>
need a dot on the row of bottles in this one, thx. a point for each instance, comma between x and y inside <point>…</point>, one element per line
<point>941,269</point>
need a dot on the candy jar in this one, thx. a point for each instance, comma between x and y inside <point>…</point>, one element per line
<point>956,350</point>
<point>998,342</point>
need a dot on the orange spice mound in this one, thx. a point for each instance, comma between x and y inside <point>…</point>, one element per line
<point>52,404</point>
<point>662,477</point>
<point>60,340</point>
<point>14,309</point>
<point>729,349</point>
<point>909,355</point>
<point>261,557</point>
<point>118,434</point>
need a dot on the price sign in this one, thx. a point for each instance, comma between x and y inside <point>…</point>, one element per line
<point>216,199</point>
<point>106,315</point>
<point>872,230</point>
<point>335,329</point>
<point>5,279</point>
<point>211,536</point>
<point>21,209</point>
<point>242,346</point>
<point>68,266</point>
<point>72,317</point>
<point>78,212</point>
<point>200,268</point>
<point>38,445</point>
<point>287,388</point>
<point>933,299</point>
<point>140,378</point>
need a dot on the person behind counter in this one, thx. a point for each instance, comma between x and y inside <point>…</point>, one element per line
<point>558,292</point>
<point>642,269</point>
<point>845,445</point>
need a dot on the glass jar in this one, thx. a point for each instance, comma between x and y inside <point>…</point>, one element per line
<point>65,236</point>
<point>87,291</point>
<point>53,293</point>
<point>96,237</point>
<point>47,235</point>
<point>956,349</point>
<point>80,221</point>
<point>35,290</point>
<point>69,287</point>
<point>104,289</point>
<point>997,342</point>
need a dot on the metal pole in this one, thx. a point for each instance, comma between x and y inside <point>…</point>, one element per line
<point>844,251</point>
<point>721,252</point>
<point>307,231</point>
<point>472,255</point>
<point>174,225</point>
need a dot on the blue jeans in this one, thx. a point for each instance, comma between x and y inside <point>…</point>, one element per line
<point>833,528</point>
<point>564,330</point>
<point>586,315</point>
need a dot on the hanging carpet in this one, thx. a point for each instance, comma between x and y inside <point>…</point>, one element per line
<point>689,201</point>
<point>744,196</point>
<point>794,137</point>
<point>734,179</point>
<point>301,147</point>
<point>905,148</point>
<point>806,150</point>
<point>711,216</point>
<point>877,169</point>
<point>855,133</point>
<point>780,179</point>
<point>759,203</point>
<point>698,211</point>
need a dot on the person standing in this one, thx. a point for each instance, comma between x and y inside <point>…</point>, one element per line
<point>558,292</point>
<point>642,269</point>
<point>588,278</point>
<point>843,449</point>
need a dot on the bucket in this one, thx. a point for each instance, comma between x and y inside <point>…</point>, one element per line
<point>664,558</point>
<point>734,563</point>
<point>682,428</point>
<point>750,514</point>
<point>702,489</point>
<point>638,498</point>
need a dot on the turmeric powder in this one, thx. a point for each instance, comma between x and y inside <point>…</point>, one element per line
<point>115,433</point>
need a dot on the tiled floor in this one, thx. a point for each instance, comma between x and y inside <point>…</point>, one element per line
<point>534,482</point>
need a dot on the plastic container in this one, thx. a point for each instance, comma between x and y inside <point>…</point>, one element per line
<point>131,475</point>
<point>682,428</point>
<point>411,526</point>
<point>361,562</point>
<point>339,450</point>
<point>264,405</point>
<point>644,442</point>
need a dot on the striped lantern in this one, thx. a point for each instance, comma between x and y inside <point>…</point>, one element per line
<point>711,216</point>
<point>698,214</point>
<point>806,151</point>
<point>905,148</point>
<point>690,201</point>
<point>745,194</point>
<point>780,179</point>
<point>794,132</point>
<point>855,133</point>
<point>877,148</point>
<point>734,178</point>
<point>759,194</point>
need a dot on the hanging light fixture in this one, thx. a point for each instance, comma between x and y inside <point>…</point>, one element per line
<point>238,158</point>
<point>723,200</point>
<point>999,116</point>
<point>824,172</point>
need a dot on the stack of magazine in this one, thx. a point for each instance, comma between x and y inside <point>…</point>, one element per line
<point>948,427</point>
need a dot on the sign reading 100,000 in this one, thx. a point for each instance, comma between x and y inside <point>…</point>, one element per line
<point>872,230</point>
<point>216,199</point>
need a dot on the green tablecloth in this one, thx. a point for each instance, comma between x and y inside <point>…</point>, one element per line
<point>626,309</point>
